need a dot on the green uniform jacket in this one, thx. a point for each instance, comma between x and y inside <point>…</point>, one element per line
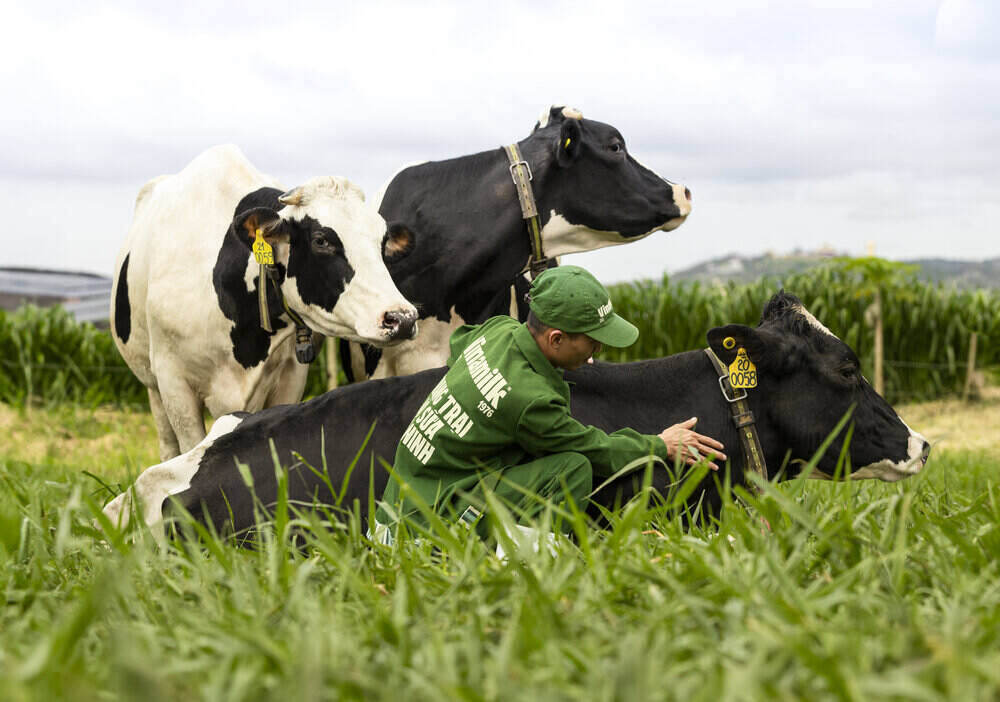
<point>500,404</point>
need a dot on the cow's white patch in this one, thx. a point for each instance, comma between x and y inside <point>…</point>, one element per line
<point>561,237</point>
<point>682,202</point>
<point>158,482</point>
<point>429,350</point>
<point>813,322</point>
<point>147,189</point>
<point>891,471</point>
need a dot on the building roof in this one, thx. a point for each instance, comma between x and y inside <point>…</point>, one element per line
<point>87,296</point>
<point>36,282</point>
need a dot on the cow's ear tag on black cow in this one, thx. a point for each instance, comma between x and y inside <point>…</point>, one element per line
<point>567,143</point>
<point>728,343</point>
<point>262,251</point>
<point>742,371</point>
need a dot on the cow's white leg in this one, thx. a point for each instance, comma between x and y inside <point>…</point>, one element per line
<point>184,410</point>
<point>168,439</point>
<point>291,383</point>
<point>356,360</point>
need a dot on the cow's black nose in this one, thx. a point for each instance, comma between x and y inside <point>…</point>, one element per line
<point>925,452</point>
<point>687,194</point>
<point>399,324</point>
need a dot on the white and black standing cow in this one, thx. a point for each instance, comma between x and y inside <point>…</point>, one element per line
<point>468,238</point>
<point>186,314</point>
<point>807,380</point>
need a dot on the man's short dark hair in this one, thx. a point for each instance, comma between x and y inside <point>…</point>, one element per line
<point>537,327</point>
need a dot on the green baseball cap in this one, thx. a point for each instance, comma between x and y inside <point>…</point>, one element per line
<point>569,298</point>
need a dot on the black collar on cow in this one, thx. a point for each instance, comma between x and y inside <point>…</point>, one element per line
<point>743,419</point>
<point>304,351</point>
<point>520,173</point>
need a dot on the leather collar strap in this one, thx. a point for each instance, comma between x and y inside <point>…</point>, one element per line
<point>520,173</point>
<point>743,419</point>
<point>304,351</point>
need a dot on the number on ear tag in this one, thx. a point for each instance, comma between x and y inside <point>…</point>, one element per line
<point>262,251</point>
<point>742,371</point>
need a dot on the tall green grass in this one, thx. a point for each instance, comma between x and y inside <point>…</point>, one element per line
<point>927,326</point>
<point>858,592</point>
<point>46,357</point>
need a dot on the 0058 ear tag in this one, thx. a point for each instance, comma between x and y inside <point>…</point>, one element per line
<point>742,371</point>
<point>262,251</point>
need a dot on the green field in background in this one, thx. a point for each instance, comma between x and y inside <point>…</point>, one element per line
<point>46,358</point>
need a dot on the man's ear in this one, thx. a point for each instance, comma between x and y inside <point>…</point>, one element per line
<point>245,225</point>
<point>728,340</point>
<point>570,142</point>
<point>399,241</point>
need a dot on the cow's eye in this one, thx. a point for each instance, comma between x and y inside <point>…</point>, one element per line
<point>320,242</point>
<point>615,148</point>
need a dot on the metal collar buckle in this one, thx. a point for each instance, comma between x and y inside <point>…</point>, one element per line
<point>513,176</point>
<point>722,387</point>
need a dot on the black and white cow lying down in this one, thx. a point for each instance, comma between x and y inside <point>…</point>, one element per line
<point>807,380</point>
<point>186,315</point>
<point>469,241</point>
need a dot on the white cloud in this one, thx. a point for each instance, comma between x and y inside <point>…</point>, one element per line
<point>819,121</point>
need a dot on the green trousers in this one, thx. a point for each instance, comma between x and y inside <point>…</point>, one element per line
<point>527,487</point>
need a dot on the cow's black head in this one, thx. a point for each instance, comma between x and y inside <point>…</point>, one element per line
<point>330,247</point>
<point>808,379</point>
<point>596,193</point>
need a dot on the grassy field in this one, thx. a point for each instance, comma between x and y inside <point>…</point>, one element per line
<point>860,591</point>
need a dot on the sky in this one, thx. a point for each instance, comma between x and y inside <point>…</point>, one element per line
<point>796,124</point>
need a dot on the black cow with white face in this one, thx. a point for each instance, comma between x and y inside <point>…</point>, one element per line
<point>808,380</point>
<point>186,312</point>
<point>468,238</point>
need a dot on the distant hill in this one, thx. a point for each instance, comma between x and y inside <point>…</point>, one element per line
<point>745,269</point>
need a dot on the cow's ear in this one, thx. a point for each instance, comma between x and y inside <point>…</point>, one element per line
<point>399,241</point>
<point>246,223</point>
<point>728,340</point>
<point>570,142</point>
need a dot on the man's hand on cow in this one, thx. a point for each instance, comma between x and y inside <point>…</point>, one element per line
<point>691,446</point>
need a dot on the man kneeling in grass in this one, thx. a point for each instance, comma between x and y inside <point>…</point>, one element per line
<point>499,420</point>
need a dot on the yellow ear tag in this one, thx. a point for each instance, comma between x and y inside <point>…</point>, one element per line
<point>262,251</point>
<point>729,342</point>
<point>742,371</point>
<point>566,145</point>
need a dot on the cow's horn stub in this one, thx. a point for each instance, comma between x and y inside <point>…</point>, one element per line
<point>293,197</point>
<point>556,113</point>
